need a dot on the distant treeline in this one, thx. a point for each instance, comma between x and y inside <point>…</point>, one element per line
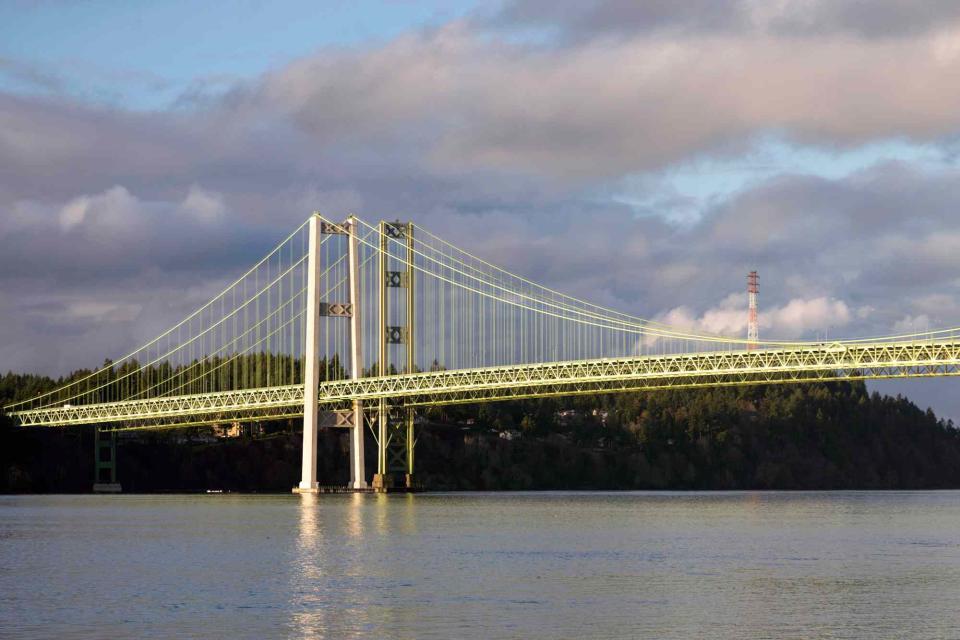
<point>799,436</point>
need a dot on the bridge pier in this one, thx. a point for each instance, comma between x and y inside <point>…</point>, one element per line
<point>105,462</point>
<point>396,449</point>
<point>311,365</point>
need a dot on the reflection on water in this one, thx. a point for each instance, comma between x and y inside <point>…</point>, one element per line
<point>354,517</point>
<point>723,565</point>
<point>382,502</point>
<point>309,620</point>
<point>317,610</point>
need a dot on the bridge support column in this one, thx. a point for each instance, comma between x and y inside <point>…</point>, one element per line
<point>395,428</point>
<point>358,479</point>
<point>382,479</point>
<point>311,364</point>
<point>409,440</point>
<point>411,443</point>
<point>105,462</point>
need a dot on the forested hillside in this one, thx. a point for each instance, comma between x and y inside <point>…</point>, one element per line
<point>817,436</point>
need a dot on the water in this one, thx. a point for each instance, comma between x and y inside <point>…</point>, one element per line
<point>539,565</point>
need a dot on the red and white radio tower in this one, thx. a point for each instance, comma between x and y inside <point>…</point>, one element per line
<point>753,326</point>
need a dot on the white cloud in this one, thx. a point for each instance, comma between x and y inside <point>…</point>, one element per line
<point>99,311</point>
<point>112,209</point>
<point>205,206</point>
<point>795,319</point>
<point>913,324</point>
<point>74,212</point>
<point>800,316</point>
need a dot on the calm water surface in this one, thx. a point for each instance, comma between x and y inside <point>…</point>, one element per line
<point>551,565</point>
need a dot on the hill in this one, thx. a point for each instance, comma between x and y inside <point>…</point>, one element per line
<point>809,436</point>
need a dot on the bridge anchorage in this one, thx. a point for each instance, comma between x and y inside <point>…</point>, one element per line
<point>356,326</point>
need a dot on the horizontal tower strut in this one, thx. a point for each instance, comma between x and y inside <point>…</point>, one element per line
<point>336,309</point>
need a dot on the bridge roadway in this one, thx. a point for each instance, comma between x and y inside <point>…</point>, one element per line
<point>802,363</point>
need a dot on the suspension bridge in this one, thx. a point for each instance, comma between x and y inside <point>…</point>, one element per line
<point>355,326</point>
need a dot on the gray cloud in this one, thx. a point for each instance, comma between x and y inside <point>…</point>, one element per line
<point>454,101</point>
<point>465,101</point>
<point>577,21</point>
<point>883,18</point>
<point>30,75</point>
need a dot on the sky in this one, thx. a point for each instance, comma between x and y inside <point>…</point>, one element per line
<point>643,155</point>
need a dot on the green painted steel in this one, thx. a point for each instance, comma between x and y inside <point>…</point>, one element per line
<point>741,367</point>
<point>105,457</point>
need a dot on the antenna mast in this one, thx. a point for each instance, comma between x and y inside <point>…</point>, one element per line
<point>753,326</point>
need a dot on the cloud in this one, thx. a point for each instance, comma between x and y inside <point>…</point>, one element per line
<point>116,233</point>
<point>728,318</point>
<point>798,318</point>
<point>467,101</point>
<point>206,206</point>
<point>575,20</point>
<point>30,75</point>
<point>912,324</point>
<point>66,312</point>
<point>456,100</point>
<point>828,250</point>
<point>111,211</point>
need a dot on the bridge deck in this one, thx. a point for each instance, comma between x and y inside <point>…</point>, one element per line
<point>718,368</point>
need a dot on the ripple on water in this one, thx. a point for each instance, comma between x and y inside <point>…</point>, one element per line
<point>657,565</point>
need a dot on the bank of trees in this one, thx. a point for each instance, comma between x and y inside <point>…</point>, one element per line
<point>804,436</point>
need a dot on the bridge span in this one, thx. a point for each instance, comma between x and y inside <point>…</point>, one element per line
<point>293,336</point>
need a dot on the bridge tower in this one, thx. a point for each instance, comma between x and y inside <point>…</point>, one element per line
<point>315,308</point>
<point>358,478</point>
<point>395,429</point>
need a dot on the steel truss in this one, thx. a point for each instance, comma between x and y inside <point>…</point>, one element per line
<point>210,408</point>
<point>826,362</point>
<point>720,368</point>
